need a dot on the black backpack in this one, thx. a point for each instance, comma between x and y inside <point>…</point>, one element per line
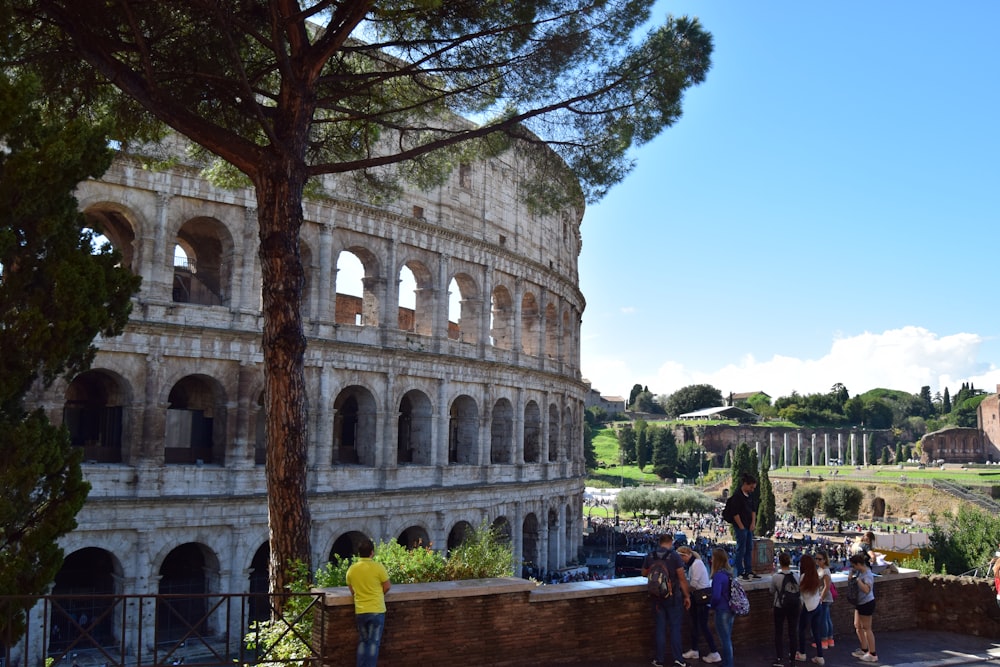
<point>788,594</point>
<point>658,580</point>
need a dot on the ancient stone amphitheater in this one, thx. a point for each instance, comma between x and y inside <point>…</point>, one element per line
<point>444,390</point>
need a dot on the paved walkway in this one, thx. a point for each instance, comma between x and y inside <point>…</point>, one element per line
<point>910,648</point>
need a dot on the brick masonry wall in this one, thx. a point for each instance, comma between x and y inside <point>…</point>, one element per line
<point>512,622</point>
<point>957,604</point>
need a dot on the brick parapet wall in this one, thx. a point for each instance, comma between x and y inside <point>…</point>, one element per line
<point>957,604</point>
<point>513,622</point>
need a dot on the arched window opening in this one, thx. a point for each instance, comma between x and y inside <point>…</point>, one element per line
<point>458,534</point>
<point>87,617</point>
<point>463,431</point>
<point>416,299</point>
<point>260,567</point>
<point>113,227</point>
<point>413,443</point>
<point>551,332</point>
<point>93,415</point>
<point>463,309</point>
<point>553,433</point>
<point>502,432</point>
<point>502,319</point>
<point>530,323</point>
<point>202,254</point>
<point>532,433</point>
<point>346,546</point>
<point>195,422</point>
<point>184,577</point>
<point>357,293</point>
<point>354,422</point>
<point>529,546</point>
<point>414,537</point>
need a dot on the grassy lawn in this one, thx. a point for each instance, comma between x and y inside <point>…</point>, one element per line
<point>613,475</point>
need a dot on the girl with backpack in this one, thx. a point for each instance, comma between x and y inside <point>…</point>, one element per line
<point>721,580</point>
<point>811,589</point>
<point>786,610</point>
<point>699,583</point>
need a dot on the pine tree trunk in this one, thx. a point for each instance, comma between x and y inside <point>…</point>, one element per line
<point>279,200</point>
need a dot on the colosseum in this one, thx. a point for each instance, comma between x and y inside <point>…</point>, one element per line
<point>444,389</point>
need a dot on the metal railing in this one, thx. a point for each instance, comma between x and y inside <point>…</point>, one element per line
<point>154,630</point>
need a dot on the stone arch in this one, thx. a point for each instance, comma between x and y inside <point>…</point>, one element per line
<point>552,562</point>
<point>502,432</point>
<point>357,302</point>
<point>463,431</point>
<point>114,223</point>
<point>465,326</point>
<point>567,335</point>
<point>418,318</point>
<point>186,574</point>
<point>413,434</point>
<point>458,534</point>
<point>530,319</point>
<point>568,433</point>
<point>502,318</point>
<point>532,433</point>
<point>414,537</point>
<point>502,530</point>
<point>551,331</point>
<point>345,546</point>
<point>196,421</point>
<point>202,257</point>
<point>554,440</point>
<point>355,426</point>
<point>530,540</point>
<point>94,414</point>
<point>88,616</point>
<point>259,609</point>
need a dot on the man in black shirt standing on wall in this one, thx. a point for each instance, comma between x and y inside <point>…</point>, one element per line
<point>741,511</point>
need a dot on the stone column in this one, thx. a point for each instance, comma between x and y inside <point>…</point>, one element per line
<point>517,537</point>
<point>440,325</point>
<point>246,287</point>
<point>840,446</point>
<point>812,448</point>
<point>854,450</point>
<point>485,311</point>
<point>517,324</point>
<point>543,446</point>
<point>518,435</point>
<point>161,270</point>
<point>323,444</point>
<point>326,281</point>
<point>389,318</point>
<point>788,460</point>
<point>826,448</point>
<point>441,432</point>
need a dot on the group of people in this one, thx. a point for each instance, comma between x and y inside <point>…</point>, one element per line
<point>695,591</point>
<point>802,599</point>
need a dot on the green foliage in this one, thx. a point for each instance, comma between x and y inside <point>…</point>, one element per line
<point>484,553</point>
<point>627,443</point>
<point>56,294</point>
<point>589,454</point>
<point>646,500</point>
<point>691,398</point>
<point>841,502</point>
<point>767,511</point>
<point>805,500</point>
<point>965,540</point>
<point>664,457</point>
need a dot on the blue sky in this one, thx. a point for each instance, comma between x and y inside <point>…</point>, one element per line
<point>825,211</point>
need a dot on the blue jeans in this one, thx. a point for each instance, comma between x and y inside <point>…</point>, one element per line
<point>743,560</point>
<point>826,621</point>
<point>669,611</point>
<point>724,626</point>
<point>369,637</point>
<point>699,625</point>
<point>812,620</point>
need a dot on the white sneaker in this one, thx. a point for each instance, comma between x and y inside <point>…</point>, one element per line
<point>819,661</point>
<point>713,657</point>
<point>691,655</point>
<point>859,653</point>
<point>800,657</point>
<point>868,657</point>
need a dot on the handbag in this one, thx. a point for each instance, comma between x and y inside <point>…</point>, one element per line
<point>701,596</point>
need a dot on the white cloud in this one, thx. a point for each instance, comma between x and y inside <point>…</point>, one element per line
<point>628,310</point>
<point>906,359</point>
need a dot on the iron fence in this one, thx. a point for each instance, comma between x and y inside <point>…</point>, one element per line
<point>155,630</point>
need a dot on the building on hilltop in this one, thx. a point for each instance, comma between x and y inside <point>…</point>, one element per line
<point>988,421</point>
<point>421,424</point>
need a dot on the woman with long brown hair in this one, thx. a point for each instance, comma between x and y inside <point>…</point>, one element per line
<point>811,589</point>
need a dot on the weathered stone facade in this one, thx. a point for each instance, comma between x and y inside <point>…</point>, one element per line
<point>418,427</point>
<point>953,444</point>
<point>988,420</point>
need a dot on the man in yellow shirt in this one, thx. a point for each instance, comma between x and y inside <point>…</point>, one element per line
<point>369,582</point>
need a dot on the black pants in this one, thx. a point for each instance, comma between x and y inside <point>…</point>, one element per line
<point>791,618</point>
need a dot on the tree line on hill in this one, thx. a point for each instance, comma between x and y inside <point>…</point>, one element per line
<point>911,415</point>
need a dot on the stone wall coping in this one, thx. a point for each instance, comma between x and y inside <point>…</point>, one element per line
<point>340,595</point>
